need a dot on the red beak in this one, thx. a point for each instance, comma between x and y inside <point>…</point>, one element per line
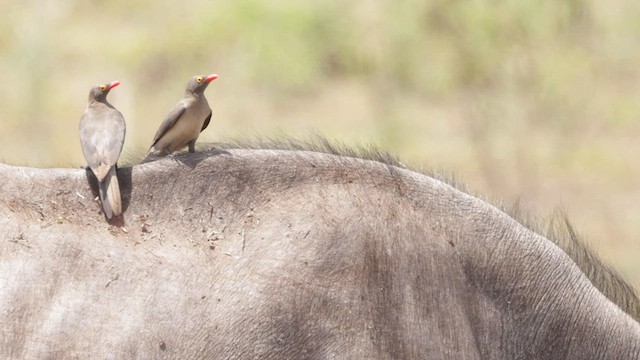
<point>114,84</point>
<point>210,78</point>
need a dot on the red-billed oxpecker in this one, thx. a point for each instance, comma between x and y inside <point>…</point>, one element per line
<point>185,121</point>
<point>102,131</point>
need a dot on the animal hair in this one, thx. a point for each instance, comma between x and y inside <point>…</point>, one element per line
<point>557,228</point>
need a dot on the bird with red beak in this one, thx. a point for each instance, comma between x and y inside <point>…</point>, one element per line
<point>185,121</point>
<point>102,131</point>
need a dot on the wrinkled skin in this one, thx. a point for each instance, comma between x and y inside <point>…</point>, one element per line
<point>286,255</point>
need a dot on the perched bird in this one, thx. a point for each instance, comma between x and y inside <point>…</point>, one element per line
<point>102,130</point>
<point>185,121</point>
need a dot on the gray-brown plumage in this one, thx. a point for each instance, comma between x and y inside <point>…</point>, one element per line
<point>102,131</point>
<point>185,121</point>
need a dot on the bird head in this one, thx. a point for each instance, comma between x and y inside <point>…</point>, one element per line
<point>99,92</point>
<point>198,83</point>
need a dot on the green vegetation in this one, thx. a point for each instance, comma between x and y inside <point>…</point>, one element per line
<point>530,99</point>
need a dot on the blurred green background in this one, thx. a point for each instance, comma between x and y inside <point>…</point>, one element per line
<point>526,100</point>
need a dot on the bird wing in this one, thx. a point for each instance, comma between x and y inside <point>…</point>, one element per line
<point>102,132</point>
<point>206,122</point>
<point>88,135</point>
<point>169,121</point>
<point>116,130</point>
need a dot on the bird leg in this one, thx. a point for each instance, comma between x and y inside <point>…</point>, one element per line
<point>192,146</point>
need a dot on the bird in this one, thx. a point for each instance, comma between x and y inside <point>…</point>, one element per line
<point>184,123</point>
<point>102,131</point>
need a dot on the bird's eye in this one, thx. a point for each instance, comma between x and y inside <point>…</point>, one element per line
<point>199,79</point>
<point>103,87</point>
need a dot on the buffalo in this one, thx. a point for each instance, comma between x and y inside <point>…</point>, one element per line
<point>293,252</point>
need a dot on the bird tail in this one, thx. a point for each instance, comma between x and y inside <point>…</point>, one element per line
<point>154,154</point>
<point>110,194</point>
<point>149,157</point>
